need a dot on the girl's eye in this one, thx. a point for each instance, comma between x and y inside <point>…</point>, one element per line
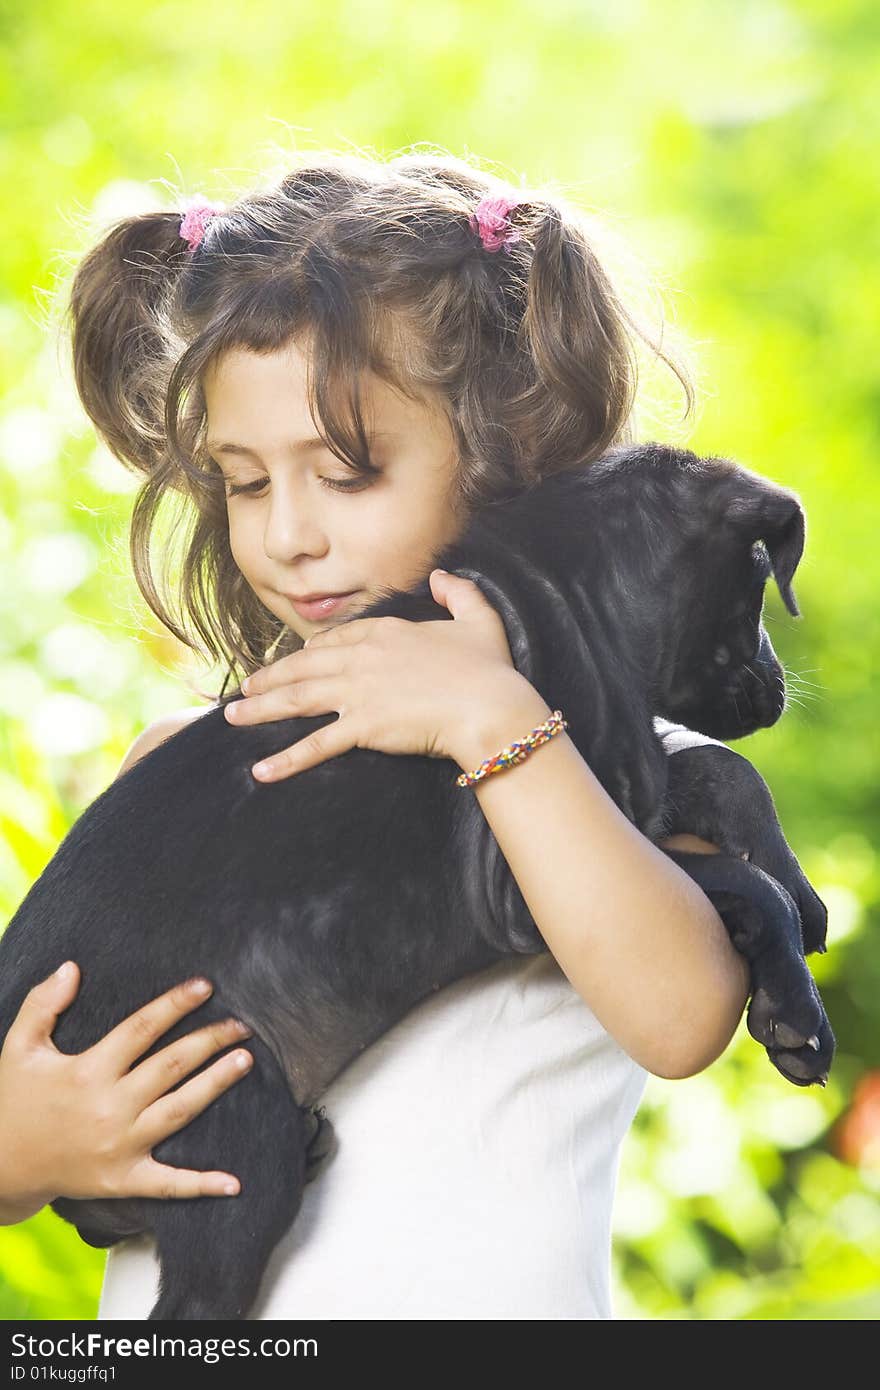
<point>235,489</point>
<point>336,484</point>
<point>348,484</point>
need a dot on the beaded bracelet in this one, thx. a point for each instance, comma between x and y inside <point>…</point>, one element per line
<point>521,748</point>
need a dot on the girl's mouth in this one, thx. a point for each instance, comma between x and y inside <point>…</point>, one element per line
<point>318,608</point>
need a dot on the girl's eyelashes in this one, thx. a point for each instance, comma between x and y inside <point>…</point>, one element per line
<point>335,484</point>
<point>235,489</point>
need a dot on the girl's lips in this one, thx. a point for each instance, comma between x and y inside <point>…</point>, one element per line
<point>321,607</point>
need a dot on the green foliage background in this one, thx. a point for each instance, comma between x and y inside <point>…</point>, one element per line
<point>732,150</point>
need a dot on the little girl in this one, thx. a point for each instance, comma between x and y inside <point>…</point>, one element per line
<point>328,376</point>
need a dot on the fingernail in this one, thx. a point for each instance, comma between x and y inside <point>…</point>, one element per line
<point>64,970</point>
<point>262,770</point>
<point>243,1029</point>
<point>200,986</point>
<point>243,1059</point>
<point>231,1188</point>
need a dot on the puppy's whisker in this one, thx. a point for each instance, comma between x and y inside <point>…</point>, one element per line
<point>806,671</point>
<point>795,695</point>
<point>798,686</point>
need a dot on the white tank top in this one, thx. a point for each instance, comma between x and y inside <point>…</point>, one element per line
<point>478,1150</point>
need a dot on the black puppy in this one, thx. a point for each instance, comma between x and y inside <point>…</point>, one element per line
<point>323,907</point>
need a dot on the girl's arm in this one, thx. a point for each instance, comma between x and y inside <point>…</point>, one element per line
<point>638,939</point>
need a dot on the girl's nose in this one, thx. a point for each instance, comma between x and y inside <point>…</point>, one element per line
<point>291,532</point>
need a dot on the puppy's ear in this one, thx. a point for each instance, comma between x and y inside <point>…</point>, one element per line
<point>762,511</point>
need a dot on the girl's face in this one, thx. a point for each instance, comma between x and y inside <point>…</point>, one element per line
<point>307,524</point>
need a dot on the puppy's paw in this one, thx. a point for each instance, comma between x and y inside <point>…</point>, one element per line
<point>804,1066</point>
<point>793,1026</point>
<point>323,1143</point>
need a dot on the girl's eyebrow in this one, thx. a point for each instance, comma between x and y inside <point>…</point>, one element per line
<point>296,445</point>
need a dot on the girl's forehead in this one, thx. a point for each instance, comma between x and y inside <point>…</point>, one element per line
<point>240,382</point>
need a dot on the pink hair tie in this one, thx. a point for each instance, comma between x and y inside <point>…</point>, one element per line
<point>198,214</point>
<point>490,221</point>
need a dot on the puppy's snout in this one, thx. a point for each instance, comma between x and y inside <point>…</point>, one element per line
<point>740,687</point>
<point>757,690</point>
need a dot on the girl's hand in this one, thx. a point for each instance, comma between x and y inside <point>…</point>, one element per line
<point>398,686</point>
<point>83,1124</point>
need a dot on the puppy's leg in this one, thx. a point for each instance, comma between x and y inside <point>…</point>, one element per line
<point>100,1222</point>
<point>213,1251</point>
<point>716,793</point>
<point>786,1013</point>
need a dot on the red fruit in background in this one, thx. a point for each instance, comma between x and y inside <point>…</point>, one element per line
<point>856,1136</point>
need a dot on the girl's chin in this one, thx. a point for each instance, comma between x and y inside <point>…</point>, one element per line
<point>281,611</point>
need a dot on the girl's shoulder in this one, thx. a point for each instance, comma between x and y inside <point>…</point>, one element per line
<point>159,730</point>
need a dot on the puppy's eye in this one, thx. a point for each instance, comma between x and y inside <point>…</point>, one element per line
<point>722,656</point>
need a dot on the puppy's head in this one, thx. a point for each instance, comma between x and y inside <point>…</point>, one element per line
<point>718,672</point>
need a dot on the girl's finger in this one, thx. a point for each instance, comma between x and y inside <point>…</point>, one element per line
<point>35,1020</point>
<point>303,696</point>
<point>280,672</point>
<point>122,1046</point>
<point>153,1179</point>
<point>155,1076</point>
<point>346,634</point>
<point>170,1113</point>
<point>327,742</point>
<point>284,671</point>
<point>289,668</point>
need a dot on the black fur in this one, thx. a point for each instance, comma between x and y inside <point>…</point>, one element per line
<point>324,906</point>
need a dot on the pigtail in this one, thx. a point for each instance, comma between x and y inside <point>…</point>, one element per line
<point>575,333</point>
<point>119,350</point>
<point>571,332</point>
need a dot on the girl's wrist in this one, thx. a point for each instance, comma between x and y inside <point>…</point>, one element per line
<point>16,1209</point>
<point>505,712</point>
<point>17,1201</point>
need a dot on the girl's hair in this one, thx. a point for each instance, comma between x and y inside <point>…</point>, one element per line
<point>374,265</point>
